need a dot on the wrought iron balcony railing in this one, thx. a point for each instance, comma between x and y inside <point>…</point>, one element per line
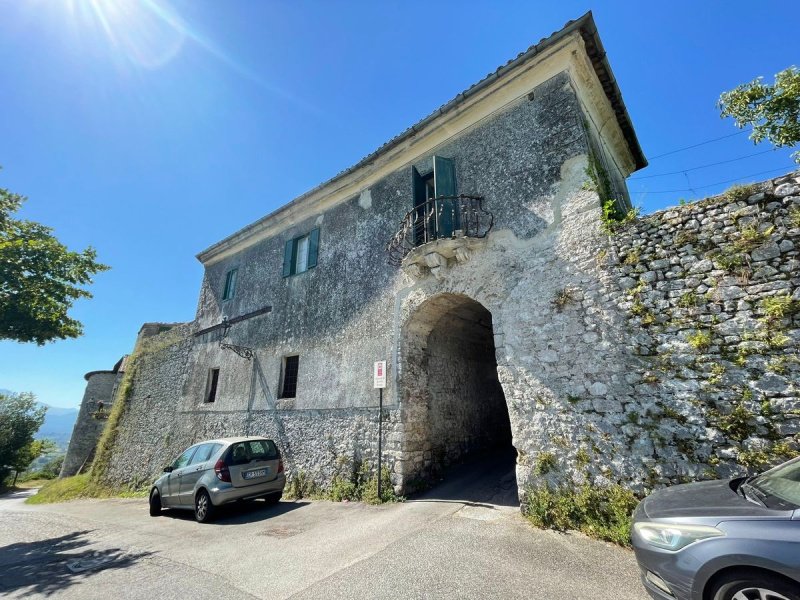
<point>440,218</point>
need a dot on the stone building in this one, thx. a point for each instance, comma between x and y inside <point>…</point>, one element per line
<point>98,399</point>
<point>469,252</point>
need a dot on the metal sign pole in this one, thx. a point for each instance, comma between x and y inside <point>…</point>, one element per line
<point>379,381</point>
<point>380,440</point>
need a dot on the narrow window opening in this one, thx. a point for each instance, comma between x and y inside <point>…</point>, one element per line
<point>290,369</point>
<point>301,264</point>
<point>213,380</point>
<point>230,285</point>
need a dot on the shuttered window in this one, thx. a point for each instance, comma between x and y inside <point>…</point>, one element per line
<point>441,218</point>
<point>300,254</point>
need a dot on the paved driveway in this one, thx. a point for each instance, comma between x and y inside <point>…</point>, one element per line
<point>463,540</point>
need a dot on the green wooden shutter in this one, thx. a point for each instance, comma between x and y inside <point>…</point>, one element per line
<point>444,176</point>
<point>444,184</point>
<point>313,248</point>
<point>418,185</point>
<point>288,258</point>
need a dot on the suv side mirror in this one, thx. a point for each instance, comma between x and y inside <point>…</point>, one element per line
<point>168,469</point>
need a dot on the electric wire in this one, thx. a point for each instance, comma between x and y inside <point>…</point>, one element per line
<point>700,187</point>
<point>722,162</point>
<point>697,145</point>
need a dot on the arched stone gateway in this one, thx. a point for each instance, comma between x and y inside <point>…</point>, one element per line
<point>451,402</point>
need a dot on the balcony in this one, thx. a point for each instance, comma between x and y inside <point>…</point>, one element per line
<point>442,218</point>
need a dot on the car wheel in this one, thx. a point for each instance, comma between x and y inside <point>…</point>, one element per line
<point>203,508</point>
<point>155,503</point>
<point>743,586</point>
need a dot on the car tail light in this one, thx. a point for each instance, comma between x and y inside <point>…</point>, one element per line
<point>222,471</point>
<point>280,465</point>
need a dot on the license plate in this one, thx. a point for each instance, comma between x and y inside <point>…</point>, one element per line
<point>255,474</point>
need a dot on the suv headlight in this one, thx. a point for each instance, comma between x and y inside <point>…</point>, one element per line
<point>674,537</point>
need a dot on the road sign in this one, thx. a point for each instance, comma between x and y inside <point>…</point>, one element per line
<point>379,374</point>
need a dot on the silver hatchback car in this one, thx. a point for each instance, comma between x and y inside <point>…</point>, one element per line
<point>215,472</point>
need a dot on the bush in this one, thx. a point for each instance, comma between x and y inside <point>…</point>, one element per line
<point>50,470</point>
<point>600,512</point>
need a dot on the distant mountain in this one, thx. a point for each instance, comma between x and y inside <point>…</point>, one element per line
<point>58,424</point>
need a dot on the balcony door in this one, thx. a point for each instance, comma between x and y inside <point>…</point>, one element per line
<point>435,218</point>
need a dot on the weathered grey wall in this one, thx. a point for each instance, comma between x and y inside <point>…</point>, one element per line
<point>348,311</point>
<point>89,424</point>
<point>646,358</point>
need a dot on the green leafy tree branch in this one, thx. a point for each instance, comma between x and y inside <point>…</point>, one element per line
<point>40,278</point>
<point>773,111</point>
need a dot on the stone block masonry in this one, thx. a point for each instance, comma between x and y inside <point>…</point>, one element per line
<point>663,353</point>
<point>711,291</point>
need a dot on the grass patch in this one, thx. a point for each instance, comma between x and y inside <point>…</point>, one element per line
<point>599,512</point>
<point>359,486</point>
<point>545,463</point>
<point>80,486</point>
<point>739,191</point>
<point>563,297</point>
<point>700,340</point>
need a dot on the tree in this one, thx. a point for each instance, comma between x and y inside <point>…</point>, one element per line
<point>39,278</point>
<point>20,419</point>
<point>772,110</point>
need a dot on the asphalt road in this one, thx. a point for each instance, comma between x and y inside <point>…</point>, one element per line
<point>465,539</point>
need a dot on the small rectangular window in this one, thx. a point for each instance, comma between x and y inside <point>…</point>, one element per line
<point>301,264</point>
<point>230,285</point>
<point>211,386</point>
<point>300,254</point>
<point>290,368</point>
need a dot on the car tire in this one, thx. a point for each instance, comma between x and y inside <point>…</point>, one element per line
<point>272,498</point>
<point>744,586</point>
<point>155,503</point>
<point>203,507</point>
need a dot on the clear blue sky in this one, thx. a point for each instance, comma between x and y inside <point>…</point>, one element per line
<point>151,129</point>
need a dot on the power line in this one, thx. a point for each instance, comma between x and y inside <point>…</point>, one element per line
<point>722,162</point>
<point>696,145</point>
<point>700,187</point>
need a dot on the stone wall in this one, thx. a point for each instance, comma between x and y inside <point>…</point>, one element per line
<point>712,294</point>
<point>100,386</point>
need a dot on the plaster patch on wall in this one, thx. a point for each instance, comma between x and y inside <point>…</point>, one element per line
<point>365,199</point>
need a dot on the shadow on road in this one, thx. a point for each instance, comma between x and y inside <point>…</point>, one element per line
<point>240,513</point>
<point>50,565</point>
<point>487,481</point>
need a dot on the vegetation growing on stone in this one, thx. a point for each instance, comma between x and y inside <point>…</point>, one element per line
<point>739,191</point>
<point>700,340</point>
<point>545,463</point>
<point>564,297</point>
<point>600,512</point>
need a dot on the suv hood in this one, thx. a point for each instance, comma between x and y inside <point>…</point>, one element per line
<point>705,499</point>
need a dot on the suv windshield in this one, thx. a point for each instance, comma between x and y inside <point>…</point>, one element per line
<point>780,485</point>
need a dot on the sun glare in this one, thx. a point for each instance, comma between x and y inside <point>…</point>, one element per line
<point>149,33</point>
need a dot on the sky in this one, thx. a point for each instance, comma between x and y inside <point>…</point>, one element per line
<point>150,129</point>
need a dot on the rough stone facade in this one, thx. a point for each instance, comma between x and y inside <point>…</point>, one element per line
<point>580,348</point>
<point>97,402</point>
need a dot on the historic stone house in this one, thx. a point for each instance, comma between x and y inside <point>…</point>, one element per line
<point>469,253</point>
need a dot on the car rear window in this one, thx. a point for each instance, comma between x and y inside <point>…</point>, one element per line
<point>243,452</point>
